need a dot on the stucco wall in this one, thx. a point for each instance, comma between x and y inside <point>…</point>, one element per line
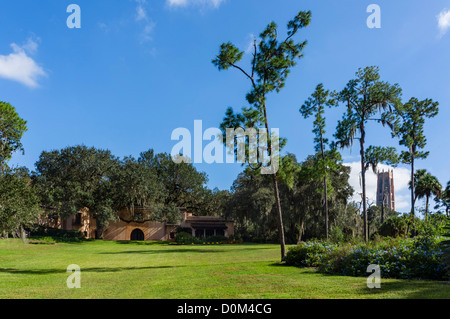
<point>122,231</point>
<point>87,227</point>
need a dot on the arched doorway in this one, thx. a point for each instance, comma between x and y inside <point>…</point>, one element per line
<point>137,235</point>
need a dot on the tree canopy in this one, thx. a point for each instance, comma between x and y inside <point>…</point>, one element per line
<point>12,128</point>
<point>19,203</point>
<point>412,136</point>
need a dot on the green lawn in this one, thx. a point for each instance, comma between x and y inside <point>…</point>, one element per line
<point>160,270</point>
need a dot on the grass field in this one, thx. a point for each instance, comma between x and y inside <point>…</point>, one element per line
<point>159,270</point>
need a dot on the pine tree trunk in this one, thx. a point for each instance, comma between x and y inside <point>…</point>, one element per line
<point>363,182</point>
<point>413,200</point>
<point>326,206</point>
<point>275,186</point>
<point>325,188</point>
<point>280,217</point>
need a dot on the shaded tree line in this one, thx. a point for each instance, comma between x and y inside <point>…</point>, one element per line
<point>252,204</point>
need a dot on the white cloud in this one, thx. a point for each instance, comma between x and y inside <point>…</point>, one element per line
<point>185,3</point>
<point>402,177</point>
<point>103,26</point>
<point>177,3</point>
<point>146,34</point>
<point>141,13</point>
<point>31,45</point>
<point>403,202</point>
<point>444,21</point>
<point>19,66</point>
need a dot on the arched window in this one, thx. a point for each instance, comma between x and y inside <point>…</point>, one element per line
<point>137,235</point>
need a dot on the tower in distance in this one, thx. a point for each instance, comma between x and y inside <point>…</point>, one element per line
<point>385,190</point>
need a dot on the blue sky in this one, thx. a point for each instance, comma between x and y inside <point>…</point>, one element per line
<point>137,70</point>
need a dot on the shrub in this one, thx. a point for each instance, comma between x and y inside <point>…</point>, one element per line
<point>186,230</point>
<point>216,239</point>
<point>336,235</point>
<point>233,239</point>
<point>432,227</point>
<point>42,241</point>
<point>445,246</point>
<point>57,234</point>
<point>398,258</point>
<point>403,259</point>
<point>308,254</point>
<point>186,239</point>
<point>334,260</point>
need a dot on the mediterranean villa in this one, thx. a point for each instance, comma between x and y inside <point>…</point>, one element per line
<point>132,226</point>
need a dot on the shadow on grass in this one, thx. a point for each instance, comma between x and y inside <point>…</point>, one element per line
<point>164,251</point>
<point>92,269</point>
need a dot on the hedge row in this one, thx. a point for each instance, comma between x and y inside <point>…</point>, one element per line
<point>188,239</point>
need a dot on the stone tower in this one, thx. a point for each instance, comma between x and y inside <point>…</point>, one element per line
<point>385,189</point>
